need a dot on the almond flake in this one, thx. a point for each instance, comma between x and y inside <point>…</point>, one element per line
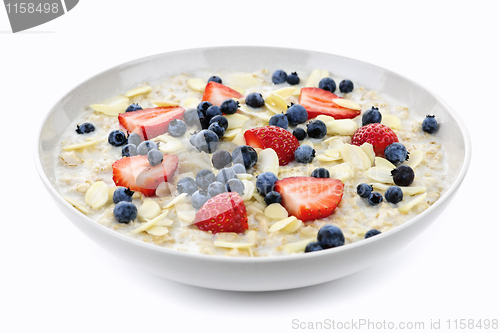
<point>172,146</point>
<point>382,175</point>
<point>355,156</point>
<point>383,163</point>
<point>233,245</point>
<point>77,205</point>
<point>368,149</point>
<point>406,208</point>
<point>298,246</point>
<point>244,81</point>
<point>120,99</point>
<point>273,108</point>
<point>97,195</point>
<point>176,200</point>
<point>236,120</point>
<point>345,103</point>
<point>244,176</point>
<point>333,153</point>
<point>75,146</point>
<point>239,139</point>
<point>151,223</point>
<point>407,190</point>
<point>157,230</point>
<point>148,210</point>
<point>342,172</point>
<point>197,84</point>
<point>325,158</point>
<point>416,156</point>
<point>165,103</point>
<point>285,92</point>
<point>391,121</point>
<point>281,224</point>
<point>342,127</point>
<point>279,101</point>
<point>276,211</point>
<point>316,76</point>
<point>249,190</point>
<point>268,161</point>
<point>324,118</point>
<point>138,91</point>
<point>110,110</point>
<point>231,134</point>
<point>190,103</point>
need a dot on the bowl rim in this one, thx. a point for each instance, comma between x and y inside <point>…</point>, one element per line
<point>249,260</point>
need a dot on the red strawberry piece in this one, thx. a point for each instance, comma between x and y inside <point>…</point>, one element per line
<point>319,101</point>
<point>225,212</point>
<point>217,93</point>
<point>380,136</point>
<point>279,139</point>
<point>309,198</point>
<point>137,174</point>
<point>149,123</point>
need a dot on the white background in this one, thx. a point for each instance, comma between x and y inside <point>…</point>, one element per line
<point>54,279</point>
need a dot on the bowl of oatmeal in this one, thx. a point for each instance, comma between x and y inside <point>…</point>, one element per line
<point>237,168</point>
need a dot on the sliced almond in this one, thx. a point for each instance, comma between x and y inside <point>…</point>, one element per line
<point>324,118</point>
<point>97,195</point>
<point>171,147</point>
<point>268,161</point>
<point>342,127</point>
<point>406,208</point>
<point>186,216</point>
<point>382,175</point>
<point>391,121</point>
<point>342,172</point>
<point>315,76</point>
<point>120,99</point>
<point>368,149</point>
<point>166,222</point>
<point>245,80</point>
<point>181,197</point>
<point>276,211</point>
<point>157,230</point>
<point>165,103</point>
<point>285,92</point>
<point>85,144</point>
<point>407,190</point>
<point>333,153</point>
<point>248,191</point>
<point>355,156</point>
<point>274,109</point>
<point>110,110</point>
<point>383,163</point>
<point>292,226</point>
<point>325,158</point>
<point>281,224</point>
<point>297,246</point>
<point>297,92</point>
<point>77,205</point>
<point>345,103</point>
<point>138,91</point>
<point>416,156</point>
<point>244,176</point>
<point>190,103</point>
<point>239,139</point>
<point>233,245</point>
<point>279,101</point>
<point>197,84</point>
<point>231,134</point>
<point>151,222</point>
<point>235,120</point>
<point>149,210</point>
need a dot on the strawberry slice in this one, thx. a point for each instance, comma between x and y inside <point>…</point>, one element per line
<point>280,140</point>
<point>319,101</point>
<point>380,136</point>
<point>217,93</point>
<point>149,123</point>
<point>309,198</point>
<point>137,174</point>
<point>225,212</point>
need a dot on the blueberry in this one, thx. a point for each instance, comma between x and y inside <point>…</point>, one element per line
<point>216,188</point>
<point>192,116</point>
<point>122,194</point>
<point>346,86</point>
<point>254,100</point>
<point>225,174</point>
<point>203,106</point>
<point>213,111</point>
<point>396,153</point>
<point>125,212</point>
<point>206,141</point>
<point>265,182</point>
<point>304,154</point>
<point>403,175</point>
<point>155,157</point>
<point>371,233</point>
<point>364,190</point>
<point>117,138</point>
<point>245,155</point>
<point>296,114</point>
<point>327,84</point>
<point>293,78</point>
<point>279,120</point>
<point>129,150</point>
<point>320,173</point>
<point>203,122</point>
<point>134,139</point>
<point>199,198</point>
<point>330,236</point>
<point>273,197</point>
<point>177,128</point>
<point>394,194</point>
<point>221,159</point>
<point>133,107</point>
<point>372,116</point>
<point>235,185</point>
<point>374,198</point>
<point>85,128</point>
<point>316,129</point>
<point>215,78</point>
<point>239,168</point>
<point>229,106</point>
<point>313,247</point>
<point>299,133</point>
<point>192,138</point>
<point>187,185</point>
<point>430,124</point>
<point>204,178</point>
<point>217,129</point>
<point>145,147</point>
<point>279,76</point>
<point>221,120</point>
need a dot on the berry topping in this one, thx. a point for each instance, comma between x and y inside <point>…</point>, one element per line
<point>299,133</point>
<point>217,129</point>
<point>380,136</point>
<point>125,212</point>
<point>221,120</point>
<point>327,84</point>
<point>330,236</point>
<point>316,129</point>
<point>320,173</point>
<point>217,93</point>
<point>309,198</point>
<point>203,106</point>
<point>279,120</point>
<point>265,182</point>
<point>254,100</point>
<point>346,86</point>
<point>177,128</point>
<point>85,128</point>
<point>122,194</point>
<point>276,138</point>
<point>213,111</point>
<point>245,155</point>
<point>192,116</point>
<point>204,178</point>
<point>221,159</point>
<point>403,175</point>
<point>129,150</point>
<point>117,138</point>
<point>216,188</point>
<point>296,114</point>
<point>239,168</point>
<point>187,185</point>
<point>273,197</point>
<point>393,194</point>
<point>293,78</point>
<point>318,101</point>
<point>374,198</point>
<point>364,190</point>
<point>199,198</point>
<point>305,154</point>
<point>235,185</point>
<point>371,116</point>
<point>430,124</point>
<point>149,123</point>
<point>313,247</point>
<point>371,233</point>
<point>133,107</point>
<point>229,106</point>
<point>207,141</point>
<point>279,76</point>
<point>215,78</point>
<point>225,212</point>
<point>225,174</point>
<point>155,157</point>
<point>145,147</point>
<point>134,139</point>
<point>396,153</point>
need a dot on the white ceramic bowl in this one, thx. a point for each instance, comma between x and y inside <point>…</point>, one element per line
<point>253,274</point>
